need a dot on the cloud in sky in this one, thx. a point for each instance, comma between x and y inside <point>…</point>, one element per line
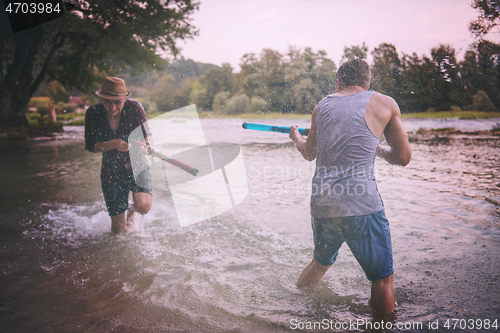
<point>229,29</point>
<point>269,18</point>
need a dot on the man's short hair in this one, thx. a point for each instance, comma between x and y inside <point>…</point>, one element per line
<point>354,72</point>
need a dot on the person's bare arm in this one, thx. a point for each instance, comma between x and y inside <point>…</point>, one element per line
<point>399,152</point>
<point>101,147</point>
<point>307,147</point>
<point>148,149</point>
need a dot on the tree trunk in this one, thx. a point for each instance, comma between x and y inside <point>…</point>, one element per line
<point>10,118</point>
<point>52,113</point>
<point>16,87</point>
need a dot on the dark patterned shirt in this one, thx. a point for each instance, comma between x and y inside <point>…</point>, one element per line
<point>116,166</point>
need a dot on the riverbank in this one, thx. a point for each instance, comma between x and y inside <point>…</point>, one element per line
<point>32,131</point>
<point>452,115</point>
<point>416,115</point>
<point>446,135</point>
<point>78,119</point>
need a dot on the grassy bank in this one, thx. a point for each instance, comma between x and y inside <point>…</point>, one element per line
<point>446,135</point>
<point>452,114</point>
<point>65,119</point>
<point>267,115</point>
<point>420,115</point>
<point>79,118</point>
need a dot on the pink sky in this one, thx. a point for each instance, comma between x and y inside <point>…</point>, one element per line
<point>230,28</point>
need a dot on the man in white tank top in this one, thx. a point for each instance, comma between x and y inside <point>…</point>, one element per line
<point>334,220</point>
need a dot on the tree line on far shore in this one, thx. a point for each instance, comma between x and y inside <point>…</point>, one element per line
<point>296,81</point>
<point>125,39</point>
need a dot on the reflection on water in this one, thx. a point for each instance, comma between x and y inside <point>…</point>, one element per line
<point>62,270</point>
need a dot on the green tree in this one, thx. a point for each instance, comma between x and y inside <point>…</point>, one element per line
<point>257,105</point>
<point>285,84</point>
<point>201,99</point>
<point>470,74</point>
<point>220,101</point>
<point>263,78</point>
<point>489,16</point>
<point>164,94</point>
<point>196,86</point>
<point>323,74</point>
<point>94,40</point>
<point>42,111</point>
<point>215,80</point>
<point>58,93</point>
<point>431,83</point>
<point>481,102</point>
<point>446,88</point>
<point>250,80</point>
<point>181,68</point>
<point>298,83</point>
<point>355,51</point>
<point>271,76</point>
<point>237,104</point>
<point>417,76</point>
<point>489,69</point>
<point>168,94</point>
<point>387,72</point>
<point>309,77</point>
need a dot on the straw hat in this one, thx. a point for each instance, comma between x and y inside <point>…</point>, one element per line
<point>113,88</point>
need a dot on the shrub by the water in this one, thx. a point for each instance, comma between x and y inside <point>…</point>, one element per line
<point>220,101</point>
<point>238,104</point>
<point>257,104</point>
<point>482,102</point>
<point>68,108</point>
<point>43,110</point>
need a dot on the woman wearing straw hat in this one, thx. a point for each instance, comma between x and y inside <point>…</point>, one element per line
<point>106,125</point>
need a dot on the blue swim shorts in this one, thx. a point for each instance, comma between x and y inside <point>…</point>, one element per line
<point>116,193</point>
<point>368,237</point>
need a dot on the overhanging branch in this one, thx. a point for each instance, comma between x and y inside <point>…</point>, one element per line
<point>58,43</point>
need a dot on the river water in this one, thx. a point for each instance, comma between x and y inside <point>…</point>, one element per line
<point>61,270</point>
